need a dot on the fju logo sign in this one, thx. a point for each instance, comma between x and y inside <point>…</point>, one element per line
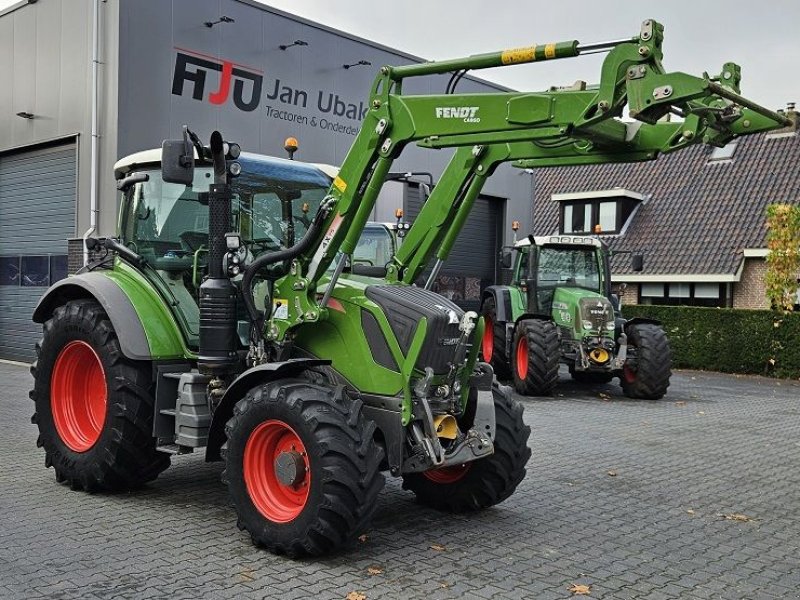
<point>193,68</point>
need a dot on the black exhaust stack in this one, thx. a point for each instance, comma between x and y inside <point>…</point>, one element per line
<point>219,339</point>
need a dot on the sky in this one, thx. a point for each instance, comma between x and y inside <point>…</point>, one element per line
<point>700,35</point>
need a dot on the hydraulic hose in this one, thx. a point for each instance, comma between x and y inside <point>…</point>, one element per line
<point>256,316</point>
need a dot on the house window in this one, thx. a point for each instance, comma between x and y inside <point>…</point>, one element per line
<point>578,218</point>
<point>682,294</point>
<point>608,216</point>
<point>724,153</point>
<point>585,214</point>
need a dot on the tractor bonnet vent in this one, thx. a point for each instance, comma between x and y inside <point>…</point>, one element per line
<point>405,306</point>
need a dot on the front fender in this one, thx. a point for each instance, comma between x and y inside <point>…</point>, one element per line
<point>636,320</point>
<point>144,325</point>
<point>244,383</point>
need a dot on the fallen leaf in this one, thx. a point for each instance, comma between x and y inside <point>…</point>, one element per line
<point>612,473</point>
<point>355,596</point>
<point>444,584</point>
<point>374,570</point>
<point>579,589</point>
<point>690,512</point>
<point>438,547</point>
<point>701,412</point>
<point>362,538</point>
<point>604,396</point>
<point>680,403</point>
<point>247,575</point>
<point>736,517</point>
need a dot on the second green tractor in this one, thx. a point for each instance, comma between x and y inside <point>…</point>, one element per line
<point>558,309</point>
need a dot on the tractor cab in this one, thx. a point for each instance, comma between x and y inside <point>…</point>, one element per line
<point>167,224</point>
<point>554,270</point>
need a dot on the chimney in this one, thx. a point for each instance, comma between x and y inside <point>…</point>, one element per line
<point>790,113</point>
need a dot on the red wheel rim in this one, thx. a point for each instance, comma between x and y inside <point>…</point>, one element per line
<point>277,501</point>
<point>78,396</point>
<point>522,358</point>
<point>629,374</point>
<point>448,474</point>
<point>487,344</point>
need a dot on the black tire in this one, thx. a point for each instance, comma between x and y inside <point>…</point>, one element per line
<point>341,458</point>
<point>591,377</point>
<point>499,356</point>
<point>486,481</point>
<point>124,454</point>
<point>646,374</point>
<point>535,356</point>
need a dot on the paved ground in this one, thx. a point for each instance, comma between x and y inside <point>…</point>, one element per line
<point>716,445</point>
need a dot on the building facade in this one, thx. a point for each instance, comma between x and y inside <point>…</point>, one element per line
<point>87,82</point>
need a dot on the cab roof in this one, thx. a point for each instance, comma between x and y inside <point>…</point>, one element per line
<point>552,240</point>
<point>152,158</point>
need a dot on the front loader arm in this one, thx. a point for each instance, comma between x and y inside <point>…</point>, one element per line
<point>555,127</point>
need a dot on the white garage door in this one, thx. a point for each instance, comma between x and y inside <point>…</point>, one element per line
<point>37,215</point>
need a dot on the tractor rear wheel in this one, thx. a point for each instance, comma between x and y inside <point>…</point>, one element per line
<point>93,406</point>
<point>536,354</point>
<point>493,344</point>
<point>646,373</point>
<point>302,467</point>
<point>484,482</point>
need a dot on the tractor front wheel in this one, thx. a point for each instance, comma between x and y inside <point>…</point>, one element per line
<point>302,467</point>
<point>493,344</point>
<point>93,406</point>
<point>646,373</point>
<point>536,354</point>
<point>484,482</point>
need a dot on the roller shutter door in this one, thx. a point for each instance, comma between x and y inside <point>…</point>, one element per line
<point>472,264</point>
<point>37,215</point>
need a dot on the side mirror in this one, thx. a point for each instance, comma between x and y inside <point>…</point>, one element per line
<point>637,262</point>
<point>505,260</point>
<point>177,160</point>
<point>425,191</point>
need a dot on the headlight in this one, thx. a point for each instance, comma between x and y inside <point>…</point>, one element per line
<point>587,324</point>
<point>610,325</point>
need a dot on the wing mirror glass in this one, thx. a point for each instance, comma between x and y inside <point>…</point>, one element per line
<point>505,260</point>
<point>177,160</point>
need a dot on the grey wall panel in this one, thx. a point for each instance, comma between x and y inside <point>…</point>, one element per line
<point>301,87</point>
<point>37,215</point>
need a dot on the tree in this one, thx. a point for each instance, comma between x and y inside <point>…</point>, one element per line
<point>783,259</point>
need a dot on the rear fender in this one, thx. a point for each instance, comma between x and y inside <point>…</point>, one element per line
<point>146,329</point>
<point>243,384</point>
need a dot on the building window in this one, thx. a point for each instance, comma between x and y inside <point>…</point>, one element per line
<point>32,271</point>
<point>607,216</point>
<point>586,215</point>
<point>724,153</point>
<point>9,270</point>
<point>683,294</point>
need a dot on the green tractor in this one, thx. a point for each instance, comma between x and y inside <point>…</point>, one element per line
<point>559,309</point>
<point>232,311</point>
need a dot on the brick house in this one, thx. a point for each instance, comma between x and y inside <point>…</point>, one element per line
<point>697,216</point>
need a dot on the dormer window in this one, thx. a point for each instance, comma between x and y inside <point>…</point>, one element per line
<point>725,153</point>
<point>603,211</point>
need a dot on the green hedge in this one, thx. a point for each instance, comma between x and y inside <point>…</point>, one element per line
<point>761,342</point>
